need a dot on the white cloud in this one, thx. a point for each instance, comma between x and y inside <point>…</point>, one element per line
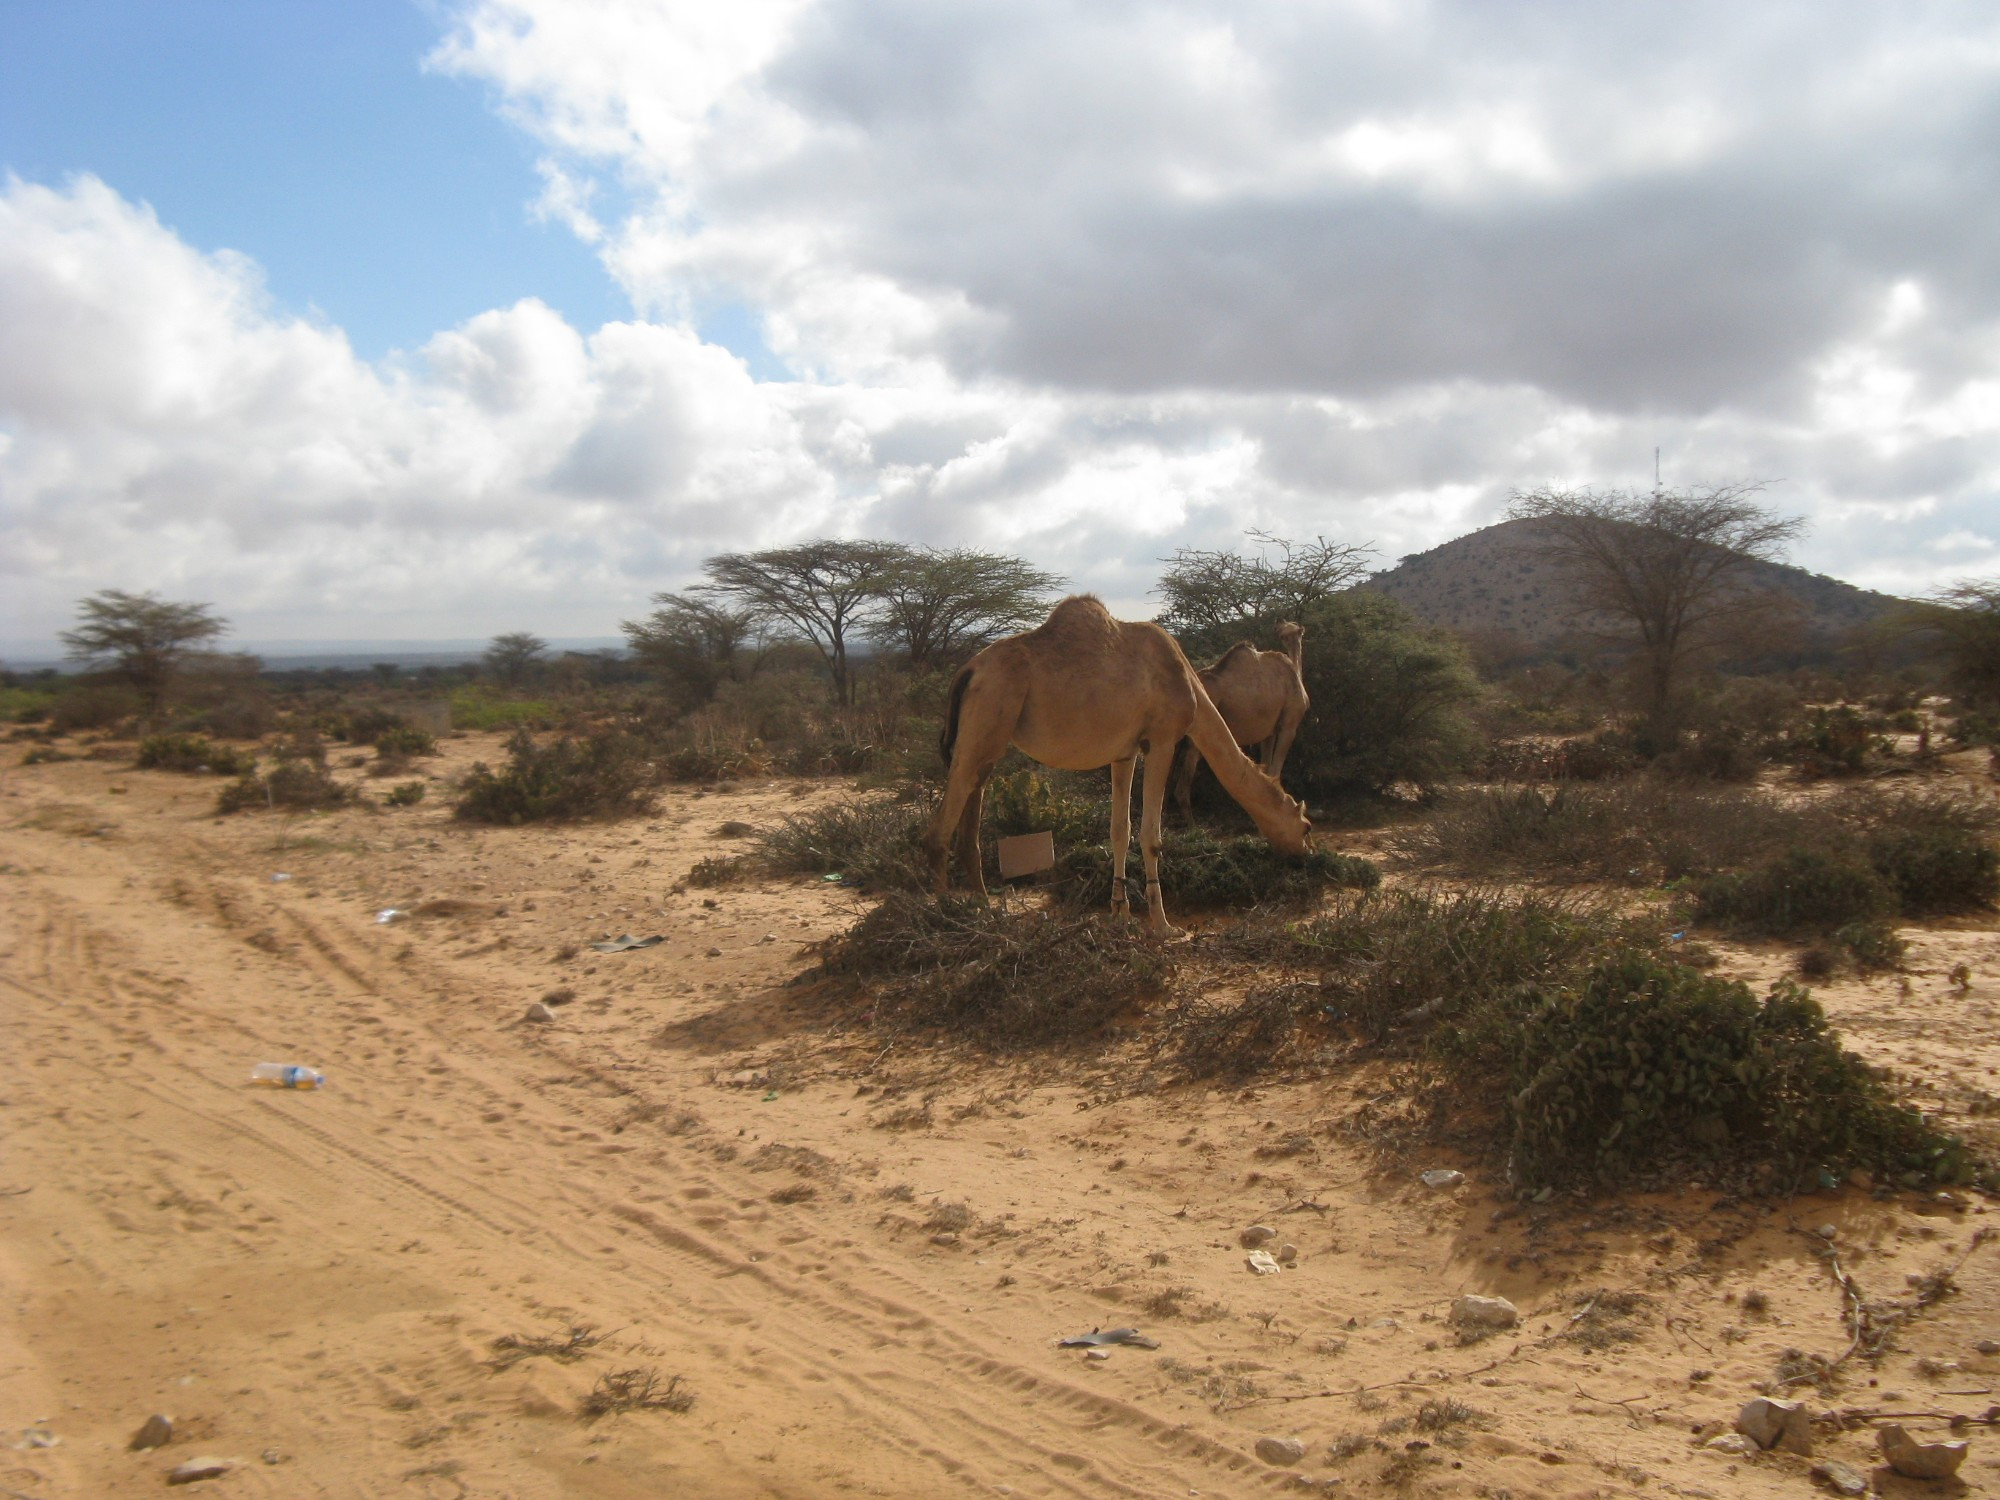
<point>1086,280</point>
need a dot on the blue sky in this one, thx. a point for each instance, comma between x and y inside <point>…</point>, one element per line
<point>390,199</point>
<point>408,321</point>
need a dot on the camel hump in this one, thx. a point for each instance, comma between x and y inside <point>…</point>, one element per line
<point>1241,648</point>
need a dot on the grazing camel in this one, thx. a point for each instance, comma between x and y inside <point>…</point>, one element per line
<point>1261,696</point>
<point>1079,691</point>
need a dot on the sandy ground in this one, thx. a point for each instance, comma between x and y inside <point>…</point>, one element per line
<point>857,1262</point>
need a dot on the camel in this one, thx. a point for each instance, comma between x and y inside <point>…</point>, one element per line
<point>1261,696</point>
<point>1079,691</point>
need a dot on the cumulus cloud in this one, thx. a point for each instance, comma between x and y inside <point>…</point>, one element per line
<point>1086,279</point>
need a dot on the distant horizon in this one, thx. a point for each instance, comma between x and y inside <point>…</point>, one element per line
<point>34,656</point>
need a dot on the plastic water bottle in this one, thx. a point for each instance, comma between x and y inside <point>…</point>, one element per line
<point>287,1076</point>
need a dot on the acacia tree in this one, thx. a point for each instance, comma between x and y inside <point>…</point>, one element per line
<point>1671,574</point>
<point>1207,592</point>
<point>938,606</point>
<point>829,591</point>
<point>695,644</point>
<point>508,657</point>
<point>142,639</point>
<point>1964,621</point>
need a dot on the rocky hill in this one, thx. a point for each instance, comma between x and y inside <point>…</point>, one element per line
<point>1498,583</point>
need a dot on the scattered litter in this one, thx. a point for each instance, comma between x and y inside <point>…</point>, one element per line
<point>1027,854</point>
<point>200,1468</point>
<point>287,1076</point>
<point>1261,1262</point>
<point>390,914</point>
<point>280,876</point>
<point>769,1096</point>
<point>1441,1177</point>
<point>625,942</point>
<point>1100,1336</point>
<point>37,1437</point>
<point>833,879</point>
<point>1097,1354</point>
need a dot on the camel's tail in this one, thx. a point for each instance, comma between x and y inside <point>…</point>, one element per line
<point>948,736</point>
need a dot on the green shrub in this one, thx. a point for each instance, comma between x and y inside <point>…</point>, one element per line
<point>873,842</point>
<point>605,775</point>
<point>404,794</point>
<point>1872,945</point>
<point>1201,871</point>
<point>1646,1060</point>
<point>400,741</point>
<point>1032,799</point>
<point>1831,742</point>
<point>192,753</point>
<point>25,705</point>
<point>1936,870</point>
<point>1802,891</point>
<point>294,783</point>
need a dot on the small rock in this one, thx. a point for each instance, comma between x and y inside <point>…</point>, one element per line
<point>1260,1261</point>
<point>1485,1312</point>
<point>1827,1231</point>
<point>715,953</point>
<point>1284,1452</point>
<point>1842,1479</point>
<point>746,1077</point>
<point>199,1468</point>
<point>1864,1179</point>
<point>1255,1235</point>
<point>1915,1460</point>
<point>539,1012</point>
<point>1288,1255</point>
<point>1097,1356</point>
<point>1441,1177</point>
<point>272,1456</point>
<point>769,937</point>
<point>1389,1323</point>
<point>1777,1424</point>
<point>1731,1442</point>
<point>154,1433</point>
<point>1987,1346</point>
<point>945,1237</point>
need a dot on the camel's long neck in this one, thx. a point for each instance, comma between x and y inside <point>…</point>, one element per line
<point>1295,648</point>
<point>1261,797</point>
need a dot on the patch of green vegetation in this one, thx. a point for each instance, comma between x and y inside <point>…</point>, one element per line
<point>476,706</point>
<point>1201,871</point>
<point>193,753</point>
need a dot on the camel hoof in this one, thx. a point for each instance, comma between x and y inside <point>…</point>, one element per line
<point>1166,932</point>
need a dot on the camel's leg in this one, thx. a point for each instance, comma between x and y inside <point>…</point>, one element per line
<point>1188,763</point>
<point>1281,746</point>
<point>1153,798</point>
<point>968,834</point>
<point>1121,832</point>
<point>987,716</point>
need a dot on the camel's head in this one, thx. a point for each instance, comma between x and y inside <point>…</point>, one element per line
<point>1291,831</point>
<point>1290,631</point>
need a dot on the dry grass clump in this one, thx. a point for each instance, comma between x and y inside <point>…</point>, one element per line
<point>565,1348</point>
<point>1011,979</point>
<point>639,1389</point>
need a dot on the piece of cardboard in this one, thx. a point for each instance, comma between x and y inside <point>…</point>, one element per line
<point>1027,854</point>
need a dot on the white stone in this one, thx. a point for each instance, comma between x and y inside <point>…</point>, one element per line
<point>1915,1460</point>
<point>1777,1424</point>
<point>1485,1312</point>
<point>1284,1452</point>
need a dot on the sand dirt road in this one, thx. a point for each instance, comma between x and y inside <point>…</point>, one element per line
<point>857,1263</point>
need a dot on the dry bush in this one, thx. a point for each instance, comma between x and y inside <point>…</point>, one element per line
<point>639,1389</point>
<point>1009,979</point>
<point>565,1348</point>
<point>293,784</point>
<point>195,753</point>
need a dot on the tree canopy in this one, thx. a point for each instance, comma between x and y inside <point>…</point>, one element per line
<point>509,656</point>
<point>142,639</point>
<point>695,645</point>
<point>829,591</point>
<point>938,606</point>
<point>1672,574</point>
<point>1209,591</point>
